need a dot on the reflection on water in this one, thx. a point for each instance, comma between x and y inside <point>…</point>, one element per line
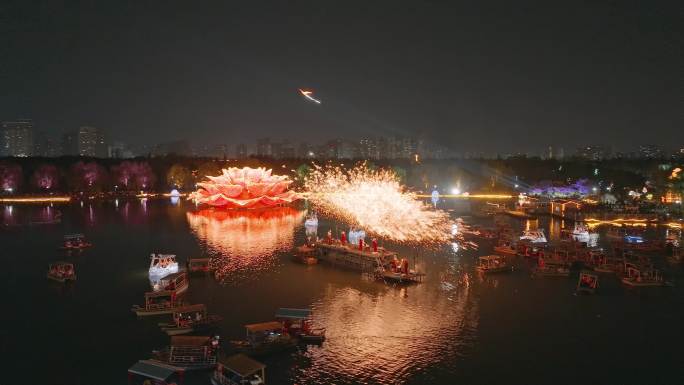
<point>388,336</point>
<point>241,242</point>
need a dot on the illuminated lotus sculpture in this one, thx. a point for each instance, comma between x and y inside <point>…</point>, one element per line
<point>245,188</point>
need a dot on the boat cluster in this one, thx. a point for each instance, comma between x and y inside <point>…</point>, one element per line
<point>194,342</point>
<point>625,259</point>
<point>62,271</point>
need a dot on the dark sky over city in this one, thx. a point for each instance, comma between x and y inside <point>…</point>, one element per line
<point>477,76</point>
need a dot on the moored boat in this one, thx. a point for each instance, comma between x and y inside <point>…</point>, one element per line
<point>61,272</point>
<point>534,236</point>
<point>299,324</point>
<point>176,282</point>
<point>75,242</point>
<point>264,338</point>
<point>199,265</point>
<point>587,283</point>
<point>238,369</point>
<point>306,254</point>
<point>189,352</point>
<point>190,319</point>
<point>493,264</point>
<point>643,276</point>
<point>162,265</point>
<point>157,303</point>
<point>505,248</point>
<point>398,271</point>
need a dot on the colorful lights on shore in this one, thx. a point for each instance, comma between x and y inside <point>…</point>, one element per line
<point>36,200</point>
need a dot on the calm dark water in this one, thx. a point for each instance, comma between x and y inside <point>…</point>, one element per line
<point>454,328</point>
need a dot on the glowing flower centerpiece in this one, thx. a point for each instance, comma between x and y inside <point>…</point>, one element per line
<point>245,188</point>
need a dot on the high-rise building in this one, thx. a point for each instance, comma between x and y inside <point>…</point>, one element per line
<point>44,145</point>
<point>118,150</point>
<point>69,143</point>
<point>264,148</point>
<point>592,152</point>
<point>16,138</point>
<point>650,151</point>
<point>241,151</point>
<point>91,142</point>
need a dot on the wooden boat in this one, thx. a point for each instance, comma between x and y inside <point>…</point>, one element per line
<point>176,282</point>
<point>298,323</point>
<point>189,352</point>
<point>199,265</point>
<point>493,264</point>
<point>399,277</point>
<point>263,339</point>
<point>61,272</point>
<point>162,265</point>
<point>551,270</point>
<point>75,242</point>
<point>643,277</point>
<point>154,372</point>
<point>534,236</point>
<point>587,283</point>
<point>305,254</point>
<point>238,369</point>
<point>397,271</point>
<point>158,302</point>
<point>505,249</point>
<point>189,319</point>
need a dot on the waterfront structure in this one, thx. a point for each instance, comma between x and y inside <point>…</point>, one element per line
<point>16,138</point>
<point>245,188</point>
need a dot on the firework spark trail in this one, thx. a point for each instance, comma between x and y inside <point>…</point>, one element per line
<point>376,201</point>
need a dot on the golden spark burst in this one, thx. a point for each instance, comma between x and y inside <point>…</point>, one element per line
<point>375,201</point>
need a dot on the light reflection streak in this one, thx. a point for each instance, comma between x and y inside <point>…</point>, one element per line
<point>243,241</point>
<point>387,337</point>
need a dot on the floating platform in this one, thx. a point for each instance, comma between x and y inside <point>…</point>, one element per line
<point>352,258</point>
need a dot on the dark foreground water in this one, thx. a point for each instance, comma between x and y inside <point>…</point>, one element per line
<point>455,328</point>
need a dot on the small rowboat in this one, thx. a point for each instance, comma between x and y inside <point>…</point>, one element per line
<point>190,319</point>
<point>493,264</point>
<point>61,272</point>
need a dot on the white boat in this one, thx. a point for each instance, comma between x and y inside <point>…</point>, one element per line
<point>162,265</point>
<point>534,236</point>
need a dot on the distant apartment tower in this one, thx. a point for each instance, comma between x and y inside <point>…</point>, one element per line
<point>369,149</point>
<point>91,142</point>
<point>16,138</point>
<point>650,151</point>
<point>592,152</point>
<point>264,148</point>
<point>241,151</point>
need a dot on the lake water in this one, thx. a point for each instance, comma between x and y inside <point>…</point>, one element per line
<point>455,328</point>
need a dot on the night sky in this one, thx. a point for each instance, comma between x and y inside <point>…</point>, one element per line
<point>476,76</point>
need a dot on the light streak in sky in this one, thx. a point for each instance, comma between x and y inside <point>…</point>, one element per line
<point>375,201</point>
<point>307,94</point>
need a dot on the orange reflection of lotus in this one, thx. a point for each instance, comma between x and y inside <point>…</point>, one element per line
<point>245,188</point>
<point>242,242</point>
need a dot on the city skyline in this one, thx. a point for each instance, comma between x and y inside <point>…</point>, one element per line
<point>473,78</point>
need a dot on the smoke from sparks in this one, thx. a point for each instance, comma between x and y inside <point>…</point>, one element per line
<point>376,201</point>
